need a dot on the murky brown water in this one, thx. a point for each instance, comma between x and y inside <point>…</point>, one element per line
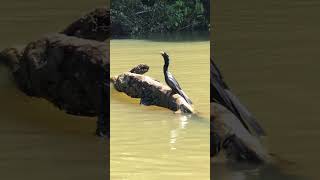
<point>37,140</point>
<point>268,52</point>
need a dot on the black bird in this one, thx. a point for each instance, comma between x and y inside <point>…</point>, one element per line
<point>241,141</point>
<point>221,94</point>
<point>170,80</point>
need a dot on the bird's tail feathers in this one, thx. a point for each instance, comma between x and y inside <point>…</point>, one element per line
<point>184,95</point>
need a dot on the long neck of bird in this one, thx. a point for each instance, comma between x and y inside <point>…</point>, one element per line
<point>166,66</point>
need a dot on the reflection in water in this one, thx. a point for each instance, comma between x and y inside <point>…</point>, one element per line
<point>173,138</point>
<point>184,121</point>
<point>174,133</point>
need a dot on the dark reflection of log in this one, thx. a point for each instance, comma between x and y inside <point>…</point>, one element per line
<point>151,92</point>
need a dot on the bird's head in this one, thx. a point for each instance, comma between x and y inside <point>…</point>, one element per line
<point>165,56</point>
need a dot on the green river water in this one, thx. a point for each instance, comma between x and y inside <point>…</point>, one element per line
<point>149,142</point>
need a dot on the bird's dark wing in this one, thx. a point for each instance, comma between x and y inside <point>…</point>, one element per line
<point>220,93</point>
<point>173,83</point>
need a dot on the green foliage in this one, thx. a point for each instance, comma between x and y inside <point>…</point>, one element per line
<point>138,17</point>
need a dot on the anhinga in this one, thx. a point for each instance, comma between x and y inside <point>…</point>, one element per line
<point>220,93</point>
<point>170,80</point>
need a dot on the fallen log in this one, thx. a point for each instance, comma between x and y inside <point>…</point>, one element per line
<point>67,71</point>
<point>151,91</point>
<point>70,69</point>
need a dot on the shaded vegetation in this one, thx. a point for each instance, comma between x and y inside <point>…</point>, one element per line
<point>140,17</point>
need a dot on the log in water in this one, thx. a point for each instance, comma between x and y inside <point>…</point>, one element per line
<point>71,71</point>
<point>67,71</point>
<point>151,91</point>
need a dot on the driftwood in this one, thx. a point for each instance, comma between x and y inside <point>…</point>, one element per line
<point>69,69</point>
<point>151,91</point>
